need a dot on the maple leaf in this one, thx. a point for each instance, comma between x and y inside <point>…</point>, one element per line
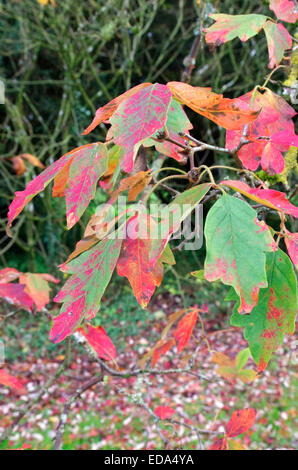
<point>285,10</point>
<point>274,123</point>
<point>228,27</point>
<point>82,292</point>
<point>106,111</point>
<point>84,173</point>
<point>99,341</point>
<point>236,249</point>
<point>291,241</point>
<point>171,217</point>
<point>185,328</point>
<point>278,41</point>
<point>37,287</point>
<point>232,369</point>
<point>274,315</point>
<point>11,381</point>
<point>22,198</point>
<point>15,294</point>
<point>240,422</point>
<point>164,412</point>
<point>267,197</point>
<point>223,111</point>
<point>138,118</point>
<point>133,261</point>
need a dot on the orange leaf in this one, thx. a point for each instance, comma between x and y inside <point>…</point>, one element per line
<point>161,349</point>
<point>11,381</point>
<point>223,111</point>
<point>135,184</point>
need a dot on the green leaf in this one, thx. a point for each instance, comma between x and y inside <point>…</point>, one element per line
<point>228,27</point>
<point>236,246</point>
<point>274,316</point>
<point>242,358</point>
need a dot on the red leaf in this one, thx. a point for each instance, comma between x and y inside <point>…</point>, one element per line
<point>240,422</point>
<point>220,444</point>
<point>161,350</point>
<point>106,111</point>
<point>185,328</point>
<point>133,261</point>
<point>285,10</point>
<point>138,118</point>
<point>291,241</point>
<point>99,341</point>
<point>11,381</point>
<point>164,412</point>
<point>268,197</point>
<point>273,122</point>
<point>15,294</point>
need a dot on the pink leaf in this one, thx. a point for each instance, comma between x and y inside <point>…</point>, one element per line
<point>291,241</point>
<point>164,412</point>
<point>11,381</point>
<point>8,275</point>
<point>278,40</point>
<point>285,10</point>
<point>138,118</point>
<point>15,294</point>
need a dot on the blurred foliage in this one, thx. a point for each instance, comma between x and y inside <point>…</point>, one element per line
<point>62,60</point>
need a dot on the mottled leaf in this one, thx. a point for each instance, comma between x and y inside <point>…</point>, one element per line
<point>223,111</point>
<point>278,41</point>
<point>84,173</point>
<point>138,118</point>
<point>82,292</point>
<point>228,27</point>
<point>236,248</point>
<point>37,287</point>
<point>274,315</point>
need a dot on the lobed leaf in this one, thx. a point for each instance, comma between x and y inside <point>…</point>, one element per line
<point>228,27</point>
<point>278,41</point>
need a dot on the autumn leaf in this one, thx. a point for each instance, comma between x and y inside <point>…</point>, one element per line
<point>106,111</point>
<point>133,261</point>
<point>291,241</point>
<point>15,294</point>
<point>278,41</point>
<point>20,166</point>
<point>220,444</point>
<point>99,341</point>
<point>37,287</point>
<point>284,10</point>
<point>138,118</point>
<point>236,247</point>
<point>240,422</point>
<point>228,27</point>
<point>161,349</point>
<point>185,328</point>
<point>164,412</point>
<point>177,121</point>
<point>273,123</point>
<point>232,369</point>
<point>274,315</point>
<point>134,184</point>
<point>11,381</point>
<point>22,198</point>
<point>84,173</point>
<point>267,197</point>
<point>8,275</point>
<point>170,218</point>
<point>82,292</point>
<point>223,111</point>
